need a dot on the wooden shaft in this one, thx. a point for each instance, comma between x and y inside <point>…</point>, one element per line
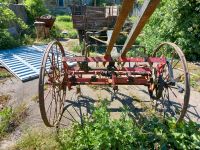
<point>126,8</point>
<point>147,10</point>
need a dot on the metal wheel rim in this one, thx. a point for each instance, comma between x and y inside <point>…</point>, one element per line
<point>43,108</point>
<point>180,54</point>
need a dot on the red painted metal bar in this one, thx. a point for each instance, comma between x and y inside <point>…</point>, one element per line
<point>109,59</point>
<point>142,70</point>
<point>114,81</point>
<point>147,10</point>
<point>126,8</point>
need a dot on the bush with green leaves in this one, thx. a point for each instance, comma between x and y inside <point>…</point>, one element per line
<point>77,48</point>
<point>5,116</point>
<point>7,40</point>
<point>35,8</point>
<point>10,118</point>
<point>64,23</point>
<point>7,20</point>
<point>101,132</point>
<point>175,21</point>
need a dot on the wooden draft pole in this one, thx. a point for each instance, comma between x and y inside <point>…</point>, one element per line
<point>126,8</point>
<point>147,10</point>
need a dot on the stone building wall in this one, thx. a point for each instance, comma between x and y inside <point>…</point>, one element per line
<point>20,11</point>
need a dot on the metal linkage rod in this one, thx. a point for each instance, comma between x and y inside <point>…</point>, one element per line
<point>126,8</point>
<point>147,10</point>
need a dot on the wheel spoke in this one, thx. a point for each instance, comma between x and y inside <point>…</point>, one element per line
<point>177,98</point>
<point>176,64</point>
<point>52,101</point>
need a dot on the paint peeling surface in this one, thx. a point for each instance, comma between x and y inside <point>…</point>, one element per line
<point>24,62</point>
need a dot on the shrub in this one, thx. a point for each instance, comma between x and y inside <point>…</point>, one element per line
<point>7,40</point>
<point>77,48</point>
<point>72,34</point>
<point>175,21</point>
<point>35,8</point>
<point>5,116</point>
<point>8,19</point>
<point>64,23</point>
<point>101,132</point>
<point>64,18</point>
<point>11,118</point>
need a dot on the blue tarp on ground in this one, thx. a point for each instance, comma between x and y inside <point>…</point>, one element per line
<point>24,62</point>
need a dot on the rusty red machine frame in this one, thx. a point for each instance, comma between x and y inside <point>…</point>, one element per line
<point>158,72</point>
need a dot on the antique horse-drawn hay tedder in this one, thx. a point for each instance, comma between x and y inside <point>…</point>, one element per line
<point>164,73</point>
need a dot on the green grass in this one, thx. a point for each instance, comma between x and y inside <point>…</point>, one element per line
<point>77,48</point>
<point>38,138</point>
<point>11,118</point>
<point>64,22</point>
<point>101,132</point>
<point>4,73</point>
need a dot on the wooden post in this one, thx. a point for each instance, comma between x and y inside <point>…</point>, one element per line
<point>126,8</point>
<point>147,10</point>
<point>40,30</point>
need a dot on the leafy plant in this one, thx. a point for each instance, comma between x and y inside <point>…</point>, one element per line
<point>7,40</point>
<point>64,23</point>
<point>4,73</point>
<point>7,20</point>
<point>101,132</point>
<point>77,48</point>
<point>177,22</point>
<point>35,8</point>
<point>10,118</point>
<point>5,116</point>
<point>38,138</point>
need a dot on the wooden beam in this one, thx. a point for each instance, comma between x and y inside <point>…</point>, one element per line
<point>99,40</point>
<point>126,8</point>
<point>147,10</point>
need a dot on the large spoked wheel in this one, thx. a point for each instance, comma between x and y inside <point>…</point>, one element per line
<point>172,83</point>
<point>76,108</point>
<point>52,87</point>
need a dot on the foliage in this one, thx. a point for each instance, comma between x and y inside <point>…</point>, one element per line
<point>64,23</point>
<point>100,132</point>
<point>10,118</point>
<point>77,48</point>
<point>5,117</point>
<point>37,139</point>
<point>7,40</point>
<point>9,1</point>
<point>8,19</point>
<point>4,74</point>
<point>177,22</point>
<point>35,8</point>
